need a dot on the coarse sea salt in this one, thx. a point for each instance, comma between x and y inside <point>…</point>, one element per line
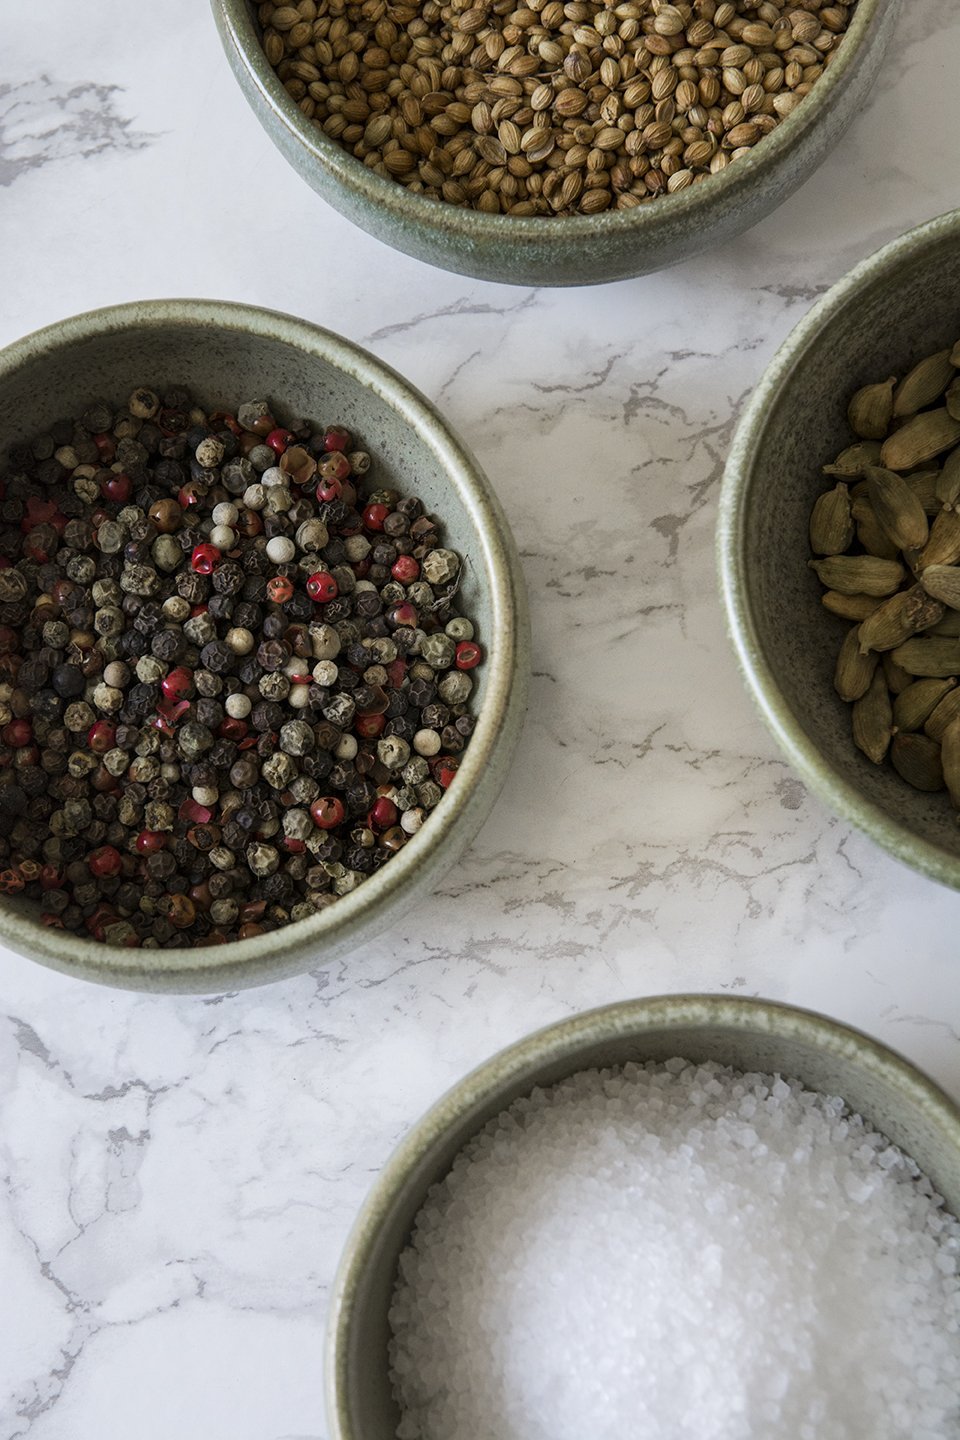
<point>664,1252</point>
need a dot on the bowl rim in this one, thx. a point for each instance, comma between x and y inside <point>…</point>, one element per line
<point>690,206</point>
<point>241,962</point>
<point>844,798</point>
<point>525,1058</point>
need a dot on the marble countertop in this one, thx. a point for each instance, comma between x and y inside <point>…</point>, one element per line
<point>179,1174</point>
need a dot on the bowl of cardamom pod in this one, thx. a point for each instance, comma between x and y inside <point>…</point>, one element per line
<point>555,143</point>
<point>839,548</point>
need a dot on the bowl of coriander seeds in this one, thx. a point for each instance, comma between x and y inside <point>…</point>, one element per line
<point>263,646</point>
<point>688,1218</point>
<point>555,143</point>
<point>839,548</point>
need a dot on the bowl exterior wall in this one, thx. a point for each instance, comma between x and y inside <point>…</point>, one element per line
<point>582,251</point>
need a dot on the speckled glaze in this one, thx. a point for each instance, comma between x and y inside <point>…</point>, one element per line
<point>748,1034</point>
<point>577,250</point>
<point>226,353</point>
<point>899,305</point>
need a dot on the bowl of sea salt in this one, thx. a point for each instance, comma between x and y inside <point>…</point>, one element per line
<point>685,1218</point>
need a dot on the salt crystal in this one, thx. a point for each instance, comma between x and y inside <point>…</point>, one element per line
<point>679,1252</point>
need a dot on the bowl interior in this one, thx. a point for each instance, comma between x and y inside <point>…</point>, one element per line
<point>747,1035</point>
<point>903,306</point>
<point>226,354</point>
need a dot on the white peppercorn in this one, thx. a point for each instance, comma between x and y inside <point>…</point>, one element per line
<point>426,742</point>
<point>280,550</point>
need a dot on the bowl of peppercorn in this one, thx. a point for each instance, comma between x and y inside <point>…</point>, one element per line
<point>263,646</point>
<point>555,144</point>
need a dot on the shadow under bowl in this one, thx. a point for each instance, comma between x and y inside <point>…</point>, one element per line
<point>569,250</point>
<point>893,309</point>
<point>225,354</point>
<point>887,1090</point>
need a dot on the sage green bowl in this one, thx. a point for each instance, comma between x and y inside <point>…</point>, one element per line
<point>225,354</point>
<point>894,308</point>
<point>748,1034</point>
<point>576,250</point>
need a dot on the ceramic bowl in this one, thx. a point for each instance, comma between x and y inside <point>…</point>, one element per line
<point>227,353</point>
<point>890,311</point>
<point>579,250</point>
<point>748,1034</point>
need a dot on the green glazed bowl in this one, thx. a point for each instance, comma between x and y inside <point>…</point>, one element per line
<point>748,1034</point>
<point>893,309</point>
<point>227,353</point>
<point>575,250</point>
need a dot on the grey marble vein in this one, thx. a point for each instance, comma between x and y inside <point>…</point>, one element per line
<point>43,121</point>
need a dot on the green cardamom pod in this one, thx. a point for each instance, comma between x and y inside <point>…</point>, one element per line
<point>953,400</point>
<point>949,625</point>
<point>948,481</point>
<point>914,705</point>
<point>859,574</point>
<point>922,437</point>
<point>854,668</point>
<point>870,533</point>
<point>896,677</point>
<point>855,459</point>
<point>897,508</point>
<point>942,714</point>
<point>871,410</point>
<point>923,483</point>
<point>943,583</point>
<point>849,607</point>
<point>950,760</point>
<point>873,719</point>
<point>943,546</point>
<point>934,656</point>
<point>903,615</point>
<point>831,524</point>
<point>924,384</point>
<point>916,759</point>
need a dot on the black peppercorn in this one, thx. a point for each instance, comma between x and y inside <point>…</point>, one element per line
<point>68,681</point>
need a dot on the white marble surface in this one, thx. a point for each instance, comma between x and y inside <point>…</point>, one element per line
<point>179,1175</point>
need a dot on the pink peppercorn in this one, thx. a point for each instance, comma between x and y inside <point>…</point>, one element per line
<point>374,516</point>
<point>204,559</point>
<point>383,814</point>
<point>336,438</point>
<point>196,813</point>
<point>321,587</point>
<point>17,734</point>
<point>104,862</point>
<point>329,490</point>
<point>279,589</point>
<point>405,569</point>
<point>117,488</point>
<point>279,439</point>
<point>327,812</point>
<point>101,737</point>
<point>444,769</point>
<point>178,684</point>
